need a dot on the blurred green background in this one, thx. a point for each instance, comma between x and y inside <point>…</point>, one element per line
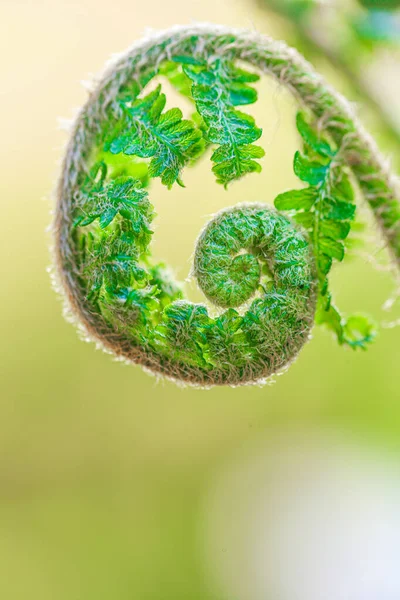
<point>103,469</point>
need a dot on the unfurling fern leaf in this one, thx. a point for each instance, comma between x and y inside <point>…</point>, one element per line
<point>218,87</point>
<point>326,209</point>
<point>267,272</point>
<point>165,137</point>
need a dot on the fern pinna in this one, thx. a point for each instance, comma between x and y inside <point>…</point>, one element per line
<point>267,269</point>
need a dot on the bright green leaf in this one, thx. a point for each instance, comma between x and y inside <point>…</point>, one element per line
<point>296,199</point>
<point>331,248</point>
<point>334,229</point>
<point>311,138</point>
<point>309,171</point>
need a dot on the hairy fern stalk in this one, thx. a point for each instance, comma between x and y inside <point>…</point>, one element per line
<point>267,269</point>
<point>367,28</point>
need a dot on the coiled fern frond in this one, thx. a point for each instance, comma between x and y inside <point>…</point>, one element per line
<point>266,269</point>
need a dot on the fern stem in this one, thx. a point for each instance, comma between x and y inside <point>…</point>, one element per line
<point>340,59</point>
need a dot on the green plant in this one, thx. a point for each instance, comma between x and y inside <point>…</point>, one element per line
<point>275,268</point>
<point>365,27</point>
<point>380,4</point>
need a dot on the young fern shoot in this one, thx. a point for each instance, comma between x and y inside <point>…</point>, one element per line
<point>266,269</point>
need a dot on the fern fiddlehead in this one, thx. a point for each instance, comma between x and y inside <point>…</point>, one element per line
<point>267,273</point>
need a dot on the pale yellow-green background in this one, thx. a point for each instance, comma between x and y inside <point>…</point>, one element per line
<point>103,469</point>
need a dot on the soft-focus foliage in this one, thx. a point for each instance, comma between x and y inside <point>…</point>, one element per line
<point>349,34</point>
